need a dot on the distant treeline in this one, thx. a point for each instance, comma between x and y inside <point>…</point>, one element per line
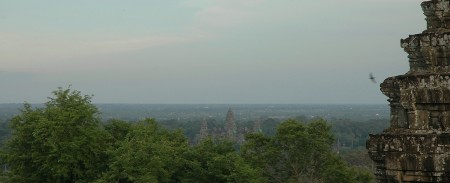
<point>351,123</point>
<point>65,141</point>
<point>351,134</point>
<point>243,112</point>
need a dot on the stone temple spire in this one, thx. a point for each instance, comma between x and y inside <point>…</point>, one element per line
<point>416,146</point>
<point>230,125</point>
<point>203,129</point>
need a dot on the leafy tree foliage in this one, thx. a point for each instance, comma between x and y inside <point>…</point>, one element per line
<point>148,153</point>
<point>118,130</point>
<point>5,132</point>
<point>218,161</point>
<point>61,142</point>
<point>64,141</point>
<point>337,170</point>
<point>298,153</point>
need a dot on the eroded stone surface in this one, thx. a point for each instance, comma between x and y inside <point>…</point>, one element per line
<point>416,146</point>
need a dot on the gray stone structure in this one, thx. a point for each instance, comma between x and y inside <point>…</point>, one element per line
<point>204,129</point>
<point>416,146</point>
<point>230,125</point>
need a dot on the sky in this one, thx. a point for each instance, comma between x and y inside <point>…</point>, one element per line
<point>204,51</point>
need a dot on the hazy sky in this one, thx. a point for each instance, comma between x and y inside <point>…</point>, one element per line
<point>204,51</point>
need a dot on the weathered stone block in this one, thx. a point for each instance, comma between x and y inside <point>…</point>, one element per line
<point>422,120</point>
<point>416,147</point>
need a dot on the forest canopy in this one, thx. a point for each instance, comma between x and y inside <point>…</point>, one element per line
<point>65,141</point>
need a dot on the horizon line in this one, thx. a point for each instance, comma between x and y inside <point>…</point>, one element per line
<point>131,103</point>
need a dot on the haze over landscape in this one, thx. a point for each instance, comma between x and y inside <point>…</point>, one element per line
<point>204,51</point>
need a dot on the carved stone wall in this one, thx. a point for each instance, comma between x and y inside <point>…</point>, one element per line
<point>416,146</point>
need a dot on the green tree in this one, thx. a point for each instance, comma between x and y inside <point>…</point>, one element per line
<point>61,142</point>
<point>297,152</point>
<point>5,131</point>
<point>218,161</point>
<point>148,153</point>
<point>118,130</point>
<point>338,171</point>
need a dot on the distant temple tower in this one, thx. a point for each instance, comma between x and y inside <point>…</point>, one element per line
<point>230,125</point>
<point>203,129</point>
<point>416,146</point>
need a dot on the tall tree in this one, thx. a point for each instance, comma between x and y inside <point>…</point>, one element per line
<point>297,152</point>
<point>61,142</point>
<point>147,153</point>
<point>218,161</point>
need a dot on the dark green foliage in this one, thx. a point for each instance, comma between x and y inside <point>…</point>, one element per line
<point>118,129</point>
<point>298,153</point>
<point>61,142</point>
<point>148,153</point>
<point>269,126</point>
<point>337,171</point>
<point>218,161</point>
<point>5,132</point>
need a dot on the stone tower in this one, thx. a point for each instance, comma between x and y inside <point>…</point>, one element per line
<point>203,129</point>
<point>257,126</point>
<point>230,125</point>
<point>416,146</point>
